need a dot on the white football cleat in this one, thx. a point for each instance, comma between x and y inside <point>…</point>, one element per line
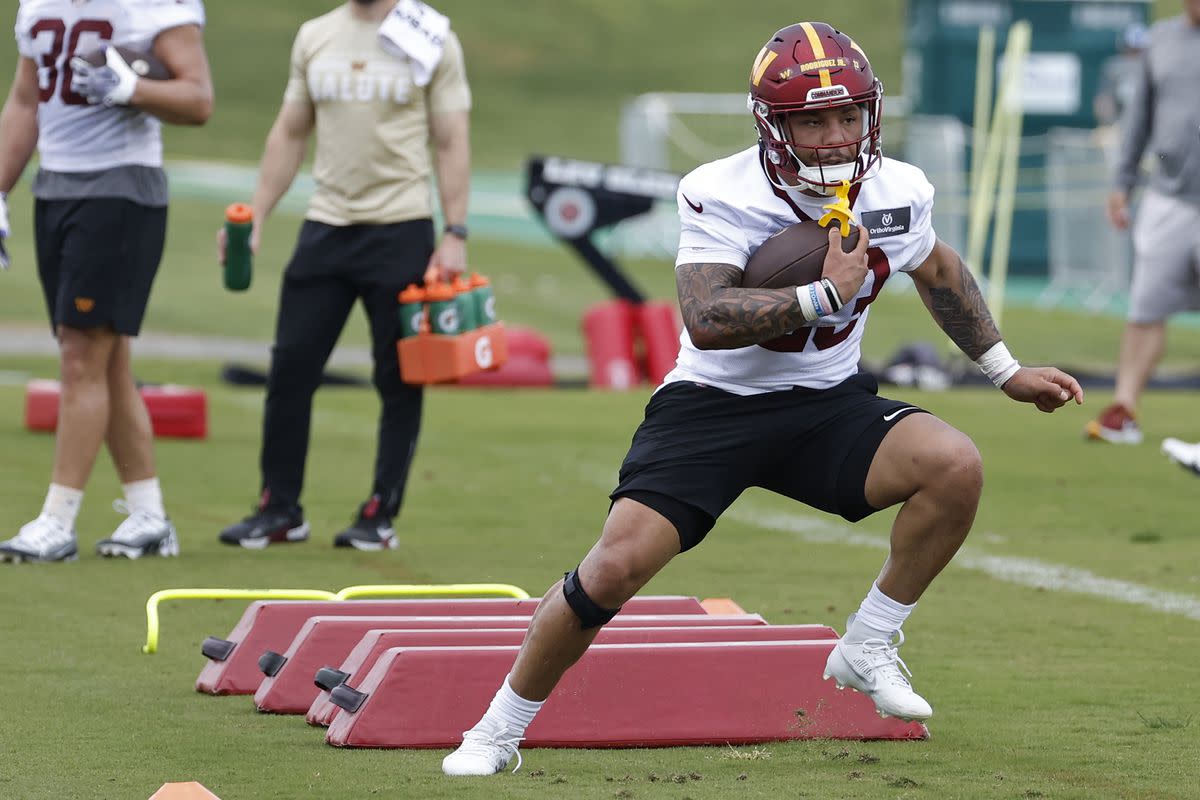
<point>485,750</point>
<point>140,534</point>
<point>873,667</point>
<point>44,539</point>
<point>1184,454</point>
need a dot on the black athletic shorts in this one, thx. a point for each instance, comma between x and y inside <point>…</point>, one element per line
<point>702,447</point>
<point>97,258</point>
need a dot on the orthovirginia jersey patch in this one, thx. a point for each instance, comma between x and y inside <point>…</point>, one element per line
<point>889,222</point>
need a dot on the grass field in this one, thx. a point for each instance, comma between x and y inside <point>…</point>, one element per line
<point>1057,649</point>
<point>1079,686</point>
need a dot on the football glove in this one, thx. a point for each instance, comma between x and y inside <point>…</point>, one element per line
<point>3,231</point>
<point>111,84</point>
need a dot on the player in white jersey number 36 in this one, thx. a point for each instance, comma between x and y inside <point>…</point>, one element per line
<point>766,390</point>
<point>100,219</point>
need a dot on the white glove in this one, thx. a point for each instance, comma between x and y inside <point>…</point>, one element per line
<point>113,84</point>
<point>3,230</point>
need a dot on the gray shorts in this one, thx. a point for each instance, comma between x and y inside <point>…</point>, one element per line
<point>1166,268</point>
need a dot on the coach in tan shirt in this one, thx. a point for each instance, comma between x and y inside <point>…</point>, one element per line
<point>383,87</point>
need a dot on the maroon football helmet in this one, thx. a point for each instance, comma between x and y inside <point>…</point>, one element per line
<point>813,66</point>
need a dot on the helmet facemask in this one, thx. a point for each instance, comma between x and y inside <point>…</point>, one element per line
<point>784,158</point>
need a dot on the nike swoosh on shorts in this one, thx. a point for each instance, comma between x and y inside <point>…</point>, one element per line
<point>898,412</point>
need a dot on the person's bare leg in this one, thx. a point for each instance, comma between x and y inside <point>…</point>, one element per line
<point>936,472</point>
<point>636,543</point>
<point>146,530</point>
<point>130,438</point>
<point>1142,347</point>
<point>84,404</point>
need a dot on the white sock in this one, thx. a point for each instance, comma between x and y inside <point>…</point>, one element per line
<point>62,503</point>
<point>145,496</point>
<point>879,617</point>
<point>512,710</point>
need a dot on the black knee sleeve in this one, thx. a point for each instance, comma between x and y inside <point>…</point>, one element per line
<point>590,615</point>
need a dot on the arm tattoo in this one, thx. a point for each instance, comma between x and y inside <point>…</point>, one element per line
<point>960,310</point>
<point>721,315</point>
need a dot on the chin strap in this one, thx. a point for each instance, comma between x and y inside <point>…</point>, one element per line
<point>839,210</point>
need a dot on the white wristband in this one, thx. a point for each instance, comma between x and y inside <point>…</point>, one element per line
<point>998,364</point>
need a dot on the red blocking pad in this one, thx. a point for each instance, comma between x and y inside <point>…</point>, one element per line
<point>619,695</point>
<point>179,411</point>
<point>658,324</point>
<point>287,679</point>
<point>358,664</point>
<point>272,624</point>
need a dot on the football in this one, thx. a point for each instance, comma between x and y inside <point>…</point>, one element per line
<point>793,256</point>
<point>146,65</point>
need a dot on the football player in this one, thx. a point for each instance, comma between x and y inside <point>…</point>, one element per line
<point>99,223</point>
<point>773,375</point>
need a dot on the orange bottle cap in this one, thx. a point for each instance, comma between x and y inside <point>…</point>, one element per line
<point>412,294</point>
<point>478,280</point>
<point>239,212</point>
<point>439,291</point>
<point>460,284</point>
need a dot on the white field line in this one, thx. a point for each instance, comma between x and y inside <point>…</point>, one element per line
<point>1013,569</point>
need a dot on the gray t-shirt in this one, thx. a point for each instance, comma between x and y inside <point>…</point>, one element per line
<point>1164,113</point>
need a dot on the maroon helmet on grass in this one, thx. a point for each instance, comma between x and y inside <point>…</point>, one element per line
<point>811,66</point>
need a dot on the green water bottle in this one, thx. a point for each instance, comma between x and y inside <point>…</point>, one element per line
<point>239,260</point>
<point>444,317</point>
<point>466,304</point>
<point>411,311</point>
<point>485,301</point>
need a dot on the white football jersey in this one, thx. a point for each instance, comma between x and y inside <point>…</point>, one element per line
<point>74,136</point>
<point>727,208</point>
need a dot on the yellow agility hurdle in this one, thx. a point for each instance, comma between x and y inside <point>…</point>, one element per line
<point>350,592</point>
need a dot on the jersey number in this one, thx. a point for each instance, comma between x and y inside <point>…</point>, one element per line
<point>46,88</point>
<point>827,336</point>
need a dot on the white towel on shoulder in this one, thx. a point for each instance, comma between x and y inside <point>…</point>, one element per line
<point>417,32</point>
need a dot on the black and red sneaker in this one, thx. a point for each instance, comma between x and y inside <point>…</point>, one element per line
<point>267,525</point>
<point>372,529</point>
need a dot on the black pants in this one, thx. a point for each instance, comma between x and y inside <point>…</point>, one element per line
<point>331,268</point>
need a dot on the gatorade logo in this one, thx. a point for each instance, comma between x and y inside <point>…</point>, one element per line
<point>414,324</point>
<point>483,352</point>
<point>447,320</point>
<point>489,309</point>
